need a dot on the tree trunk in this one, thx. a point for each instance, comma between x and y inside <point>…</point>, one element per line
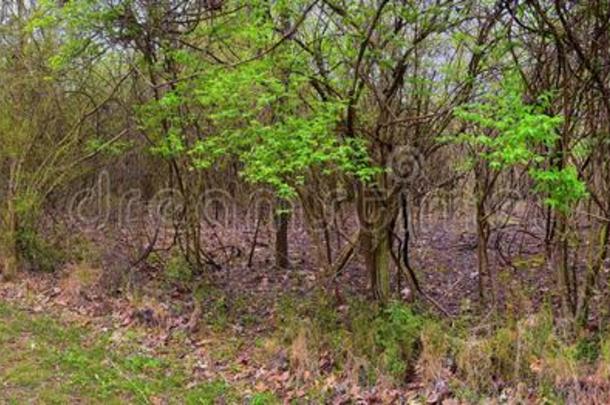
<point>561,264</point>
<point>376,251</point>
<point>593,273</point>
<point>482,223</point>
<point>381,271</point>
<point>317,227</point>
<point>483,257</point>
<point>376,214</point>
<point>282,221</point>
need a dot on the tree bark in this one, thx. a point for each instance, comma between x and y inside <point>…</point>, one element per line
<point>481,193</point>
<point>376,252</point>
<point>376,214</point>
<point>593,273</point>
<point>282,222</point>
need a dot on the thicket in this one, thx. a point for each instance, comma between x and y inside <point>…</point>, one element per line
<point>355,112</point>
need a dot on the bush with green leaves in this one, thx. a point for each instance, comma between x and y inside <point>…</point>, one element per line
<point>178,270</point>
<point>37,252</point>
<point>509,132</point>
<point>397,336</point>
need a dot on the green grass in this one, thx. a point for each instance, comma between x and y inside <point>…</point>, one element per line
<point>43,360</point>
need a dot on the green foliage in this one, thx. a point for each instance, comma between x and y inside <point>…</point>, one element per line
<point>37,252</point>
<point>588,348</point>
<point>261,112</point>
<point>562,186</point>
<point>388,340</point>
<point>178,270</point>
<point>43,128</point>
<point>510,132</point>
<point>397,333</point>
<point>114,149</point>
<point>82,22</point>
<point>260,119</point>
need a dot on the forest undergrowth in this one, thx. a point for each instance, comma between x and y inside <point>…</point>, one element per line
<point>305,201</point>
<point>271,336</point>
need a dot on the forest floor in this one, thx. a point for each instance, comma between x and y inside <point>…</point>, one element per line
<point>62,343</point>
<point>260,335</point>
<point>49,361</point>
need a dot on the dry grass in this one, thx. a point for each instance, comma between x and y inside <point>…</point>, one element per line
<point>303,361</point>
<point>435,348</point>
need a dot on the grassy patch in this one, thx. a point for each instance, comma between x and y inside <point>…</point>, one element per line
<point>45,361</point>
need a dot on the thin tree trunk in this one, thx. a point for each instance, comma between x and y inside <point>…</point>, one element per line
<point>593,274</point>
<point>282,222</point>
<point>561,264</point>
<point>482,224</point>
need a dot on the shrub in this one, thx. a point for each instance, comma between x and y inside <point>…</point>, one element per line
<point>397,337</point>
<point>37,253</point>
<point>178,270</point>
